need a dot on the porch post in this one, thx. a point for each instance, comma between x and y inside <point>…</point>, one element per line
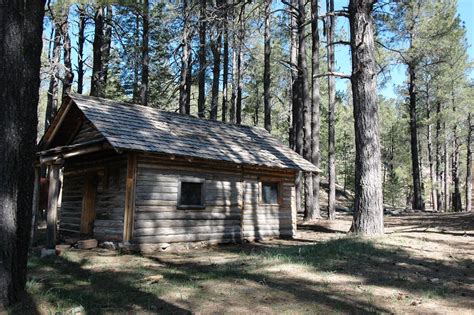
<point>53,196</point>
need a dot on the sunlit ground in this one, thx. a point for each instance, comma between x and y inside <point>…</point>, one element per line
<point>424,264</point>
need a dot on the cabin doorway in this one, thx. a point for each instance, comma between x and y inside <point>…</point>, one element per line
<point>88,205</point>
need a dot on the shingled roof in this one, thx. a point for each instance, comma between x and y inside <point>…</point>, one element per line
<point>147,129</point>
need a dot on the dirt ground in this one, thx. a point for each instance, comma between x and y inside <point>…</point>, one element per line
<point>424,264</point>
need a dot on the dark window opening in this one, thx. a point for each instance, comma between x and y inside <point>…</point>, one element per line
<point>270,193</point>
<point>191,195</point>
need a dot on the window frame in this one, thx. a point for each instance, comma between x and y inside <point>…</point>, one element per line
<point>194,180</point>
<point>272,181</point>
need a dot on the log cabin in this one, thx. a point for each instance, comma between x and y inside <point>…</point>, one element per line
<point>140,175</point>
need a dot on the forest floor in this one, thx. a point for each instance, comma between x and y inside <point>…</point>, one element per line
<point>423,264</point>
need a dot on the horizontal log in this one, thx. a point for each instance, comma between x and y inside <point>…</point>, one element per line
<point>261,219</point>
<point>111,223</point>
<point>68,230</point>
<point>156,189</point>
<point>233,237</point>
<point>185,215</point>
<point>139,202</point>
<point>185,223</point>
<point>108,230</point>
<point>70,219</point>
<point>159,179</point>
<point>185,230</point>
<point>153,164</point>
<point>273,222</point>
<point>208,208</point>
<point>266,233</point>
<point>156,196</point>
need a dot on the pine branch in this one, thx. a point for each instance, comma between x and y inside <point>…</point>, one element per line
<point>333,74</point>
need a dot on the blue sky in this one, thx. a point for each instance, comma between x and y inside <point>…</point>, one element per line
<point>343,61</point>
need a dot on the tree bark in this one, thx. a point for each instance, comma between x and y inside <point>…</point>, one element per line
<point>469,164</point>
<point>106,46</point>
<point>233,98</point>
<point>368,205</point>
<point>434,202</point>
<point>439,195</point>
<point>417,195</point>
<point>97,85</point>
<point>266,68</point>
<point>136,70</point>
<point>225,66</point>
<point>185,57</point>
<point>240,56</point>
<point>69,75</point>
<point>330,24</point>
<point>303,134</point>
<point>52,102</point>
<point>202,60</point>
<point>446,173</point>
<point>20,56</point>
<point>294,76</point>
<point>80,48</point>
<point>457,203</point>
<point>216,44</point>
<point>145,55</point>
<point>189,82</point>
<point>314,211</point>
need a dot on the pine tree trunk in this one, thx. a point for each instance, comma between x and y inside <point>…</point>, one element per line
<point>240,56</point>
<point>469,164</point>
<point>145,56</point>
<point>294,76</point>
<point>297,110</point>
<point>80,48</point>
<point>417,195</point>
<point>97,66</point>
<point>434,202</point>
<point>185,57</point>
<point>303,141</point>
<point>216,53</point>
<point>314,211</point>
<point>225,67</point>
<point>202,60</point>
<point>446,173</point>
<point>69,75</point>
<point>136,70</point>
<point>52,102</point>
<point>189,82</point>
<point>330,22</point>
<point>233,98</point>
<point>266,68</point>
<point>20,59</point>
<point>457,203</point>
<point>106,46</point>
<point>368,206</point>
<point>439,195</point>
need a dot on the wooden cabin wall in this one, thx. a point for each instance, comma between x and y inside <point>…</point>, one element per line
<point>157,219</point>
<point>264,220</point>
<point>87,132</point>
<point>109,173</point>
<point>232,213</point>
<point>110,203</point>
<point>69,215</point>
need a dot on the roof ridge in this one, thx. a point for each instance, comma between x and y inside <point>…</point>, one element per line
<point>75,95</point>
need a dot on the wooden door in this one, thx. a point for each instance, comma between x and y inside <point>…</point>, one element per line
<point>88,205</point>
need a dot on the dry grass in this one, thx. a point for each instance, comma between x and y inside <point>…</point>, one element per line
<point>424,264</point>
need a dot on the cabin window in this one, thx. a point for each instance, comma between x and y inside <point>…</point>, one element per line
<point>191,194</point>
<point>269,193</point>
